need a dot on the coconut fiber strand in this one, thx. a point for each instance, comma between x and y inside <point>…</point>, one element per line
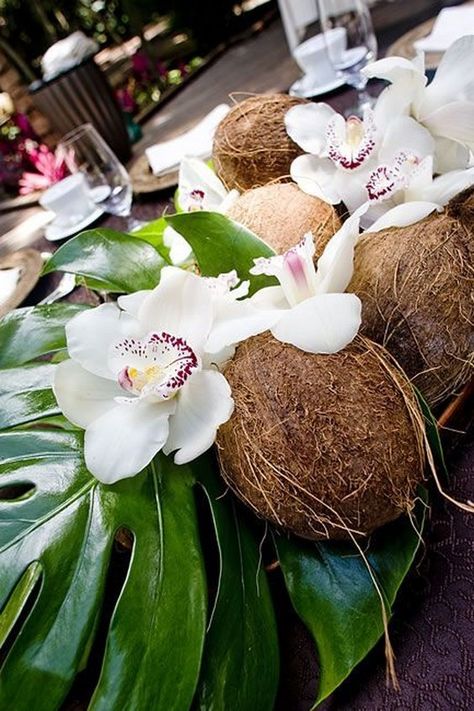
<point>322,445</point>
<point>417,289</point>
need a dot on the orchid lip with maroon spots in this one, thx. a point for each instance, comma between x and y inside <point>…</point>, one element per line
<point>158,365</point>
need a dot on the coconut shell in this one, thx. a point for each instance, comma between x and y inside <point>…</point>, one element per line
<point>251,145</point>
<point>326,446</point>
<point>280,214</point>
<point>417,289</point>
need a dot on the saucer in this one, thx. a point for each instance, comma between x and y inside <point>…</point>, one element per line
<point>54,231</point>
<point>307,88</point>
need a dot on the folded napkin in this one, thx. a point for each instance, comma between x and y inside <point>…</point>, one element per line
<point>196,143</point>
<point>67,53</point>
<point>8,281</point>
<point>451,24</point>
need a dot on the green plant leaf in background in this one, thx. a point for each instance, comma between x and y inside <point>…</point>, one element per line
<point>66,525</point>
<point>25,394</point>
<point>153,233</point>
<point>26,334</point>
<point>240,667</point>
<point>114,261</point>
<point>221,245</point>
<point>332,591</point>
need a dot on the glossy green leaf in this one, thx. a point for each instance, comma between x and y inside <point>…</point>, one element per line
<point>67,524</point>
<point>25,394</point>
<point>331,590</point>
<point>221,245</point>
<point>26,334</point>
<point>432,435</point>
<point>241,662</point>
<point>115,261</point>
<point>152,233</point>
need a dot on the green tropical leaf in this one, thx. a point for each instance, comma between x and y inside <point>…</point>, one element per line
<point>332,591</point>
<point>240,666</point>
<point>114,261</point>
<point>26,334</point>
<point>152,233</point>
<point>221,245</point>
<point>432,435</point>
<point>25,394</point>
<point>66,524</point>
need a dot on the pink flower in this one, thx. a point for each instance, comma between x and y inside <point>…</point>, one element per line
<point>51,167</point>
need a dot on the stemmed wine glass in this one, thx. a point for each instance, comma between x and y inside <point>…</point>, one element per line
<point>357,45</point>
<point>85,151</point>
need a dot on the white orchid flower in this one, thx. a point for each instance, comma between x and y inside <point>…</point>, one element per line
<point>445,107</point>
<point>403,179</point>
<point>355,162</point>
<point>141,379</point>
<point>340,153</point>
<point>308,309</point>
<point>199,188</point>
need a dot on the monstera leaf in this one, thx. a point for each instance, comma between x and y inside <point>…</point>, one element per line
<point>161,644</point>
<point>188,622</point>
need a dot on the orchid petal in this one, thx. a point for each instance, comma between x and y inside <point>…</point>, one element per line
<point>131,302</point>
<point>306,126</point>
<point>450,155</point>
<point>403,215</point>
<point>195,174</point>
<point>393,69</point>
<point>203,404</point>
<point>393,101</point>
<point>315,176</point>
<point>181,304</point>
<point>445,187</point>
<point>103,325</point>
<point>239,321</point>
<point>405,135</point>
<point>352,188</point>
<point>228,201</point>
<point>336,264</point>
<point>180,250</point>
<point>454,121</point>
<point>453,79</point>
<point>326,323</point>
<point>125,439</point>
<point>83,397</point>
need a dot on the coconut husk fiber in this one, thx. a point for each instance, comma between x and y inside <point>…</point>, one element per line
<point>326,446</point>
<point>280,214</point>
<point>251,145</point>
<point>417,289</point>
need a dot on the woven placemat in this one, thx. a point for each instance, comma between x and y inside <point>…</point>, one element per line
<point>143,180</point>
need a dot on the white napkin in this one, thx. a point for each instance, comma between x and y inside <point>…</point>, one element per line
<point>451,24</point>
<point>8,281</point>
<point>67,53</point>
<point>196,143</point>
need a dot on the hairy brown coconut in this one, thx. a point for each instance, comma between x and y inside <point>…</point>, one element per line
<point>417,288</point>
<point>280,214</point>
<point>323,445</point>
<point>251,145</point>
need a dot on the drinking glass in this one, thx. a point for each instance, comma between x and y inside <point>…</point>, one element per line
<point>358,46</point>
<point>85,151</point>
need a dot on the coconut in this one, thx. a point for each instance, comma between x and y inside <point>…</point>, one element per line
<point>417,288</point>
<point>280,214</point>
<point>251,145</point>
<point>326,446</point>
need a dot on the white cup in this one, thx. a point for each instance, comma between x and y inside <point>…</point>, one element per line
<point>312,56</point>
<point>69,199</point>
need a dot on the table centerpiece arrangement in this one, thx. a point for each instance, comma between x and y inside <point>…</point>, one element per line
<point>251,399</point>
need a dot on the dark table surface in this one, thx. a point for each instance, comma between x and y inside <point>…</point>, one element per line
<point>432,630</point>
